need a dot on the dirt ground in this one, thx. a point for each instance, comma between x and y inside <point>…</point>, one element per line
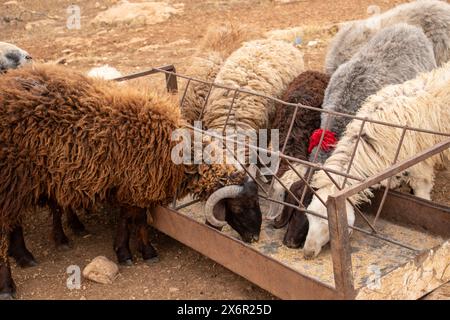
<point>40,28</point>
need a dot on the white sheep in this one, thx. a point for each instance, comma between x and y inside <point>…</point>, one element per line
<point>432,16</point>
<point>419,103</point>
<point>261,66</point>
<point>12,57</point>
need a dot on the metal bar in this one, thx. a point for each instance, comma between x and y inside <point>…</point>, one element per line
<point>357,229</point>
<point>266,272</point>
<point>307,163</point>
<point>205,103</point>
<point>353,153</point>
<point>174,201</point>
<point>229,112</point>
<point>411,211</point>
<point>335,113</point>
<point>388,184</point>
<point>187,204</point>
<point>359,212</point>
<point>288,190</point>
<point>184,93</point>
<point>171,81</point>
<point>306,183</point>
<point>310,172</point>
<point>340,247</point>
<point>386,239</point>
<point>165,69</point>
<point>291,126</point>
<point>397,168</point>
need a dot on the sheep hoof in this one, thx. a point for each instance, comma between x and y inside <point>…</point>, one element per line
<point>152,260</point>
<point>126,263</point>
<point>7,296</point>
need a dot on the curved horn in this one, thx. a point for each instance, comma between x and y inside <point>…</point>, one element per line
<point>213,200</point>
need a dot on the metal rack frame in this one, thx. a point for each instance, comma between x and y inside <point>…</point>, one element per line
<point>273,275</point>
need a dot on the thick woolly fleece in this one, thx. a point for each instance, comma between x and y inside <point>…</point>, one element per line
<point>78,140</point>
<point>392,56</point>
<point>218,44</point>
<point>262,66</point>
<point>307,89</point>
<point>419,103</point>
<point>432,16</point>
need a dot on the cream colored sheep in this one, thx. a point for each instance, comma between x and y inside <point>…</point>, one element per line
<point>261,66</point>
<point>218,44</point>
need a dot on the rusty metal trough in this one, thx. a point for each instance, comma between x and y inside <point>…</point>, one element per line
<point>404,253</point>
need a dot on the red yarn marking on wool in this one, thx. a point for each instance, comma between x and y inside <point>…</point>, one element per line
<point>329,140</point>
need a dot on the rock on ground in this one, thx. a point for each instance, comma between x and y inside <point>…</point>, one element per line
<point>137,14</point>
<point>101,270</point>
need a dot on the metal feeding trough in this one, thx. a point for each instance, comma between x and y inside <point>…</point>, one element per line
<point>399,247</point>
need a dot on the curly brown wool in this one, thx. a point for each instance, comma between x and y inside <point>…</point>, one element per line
<point>79,141</point>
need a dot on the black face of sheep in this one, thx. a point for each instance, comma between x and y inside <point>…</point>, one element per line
<point>237,206</point>
<point>297,229</point>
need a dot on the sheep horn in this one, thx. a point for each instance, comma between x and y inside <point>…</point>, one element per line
<point>213,200</point>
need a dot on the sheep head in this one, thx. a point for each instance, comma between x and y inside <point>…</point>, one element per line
<point>12,57</point>
<point>296,220</point>
<point>231,198</point>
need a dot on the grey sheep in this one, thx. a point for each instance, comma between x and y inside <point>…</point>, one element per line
<point>394,55</point>
<point>432,16</point>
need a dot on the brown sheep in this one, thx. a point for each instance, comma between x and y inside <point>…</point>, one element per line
<point>307,89</point>
<point>79,141</point>
<point>12,57</point>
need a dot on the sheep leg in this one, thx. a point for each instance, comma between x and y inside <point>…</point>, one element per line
<point>143,242</point>
<point>7,286</point>
<point>75,224</point>
<point>122,239</point>
<point>18,250</point>
<point>59,237</point>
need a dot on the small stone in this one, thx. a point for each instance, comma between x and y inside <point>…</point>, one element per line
<point>173,290</point>
<point>82,298</point>
<point>101,270</point>
<point>313,43</point>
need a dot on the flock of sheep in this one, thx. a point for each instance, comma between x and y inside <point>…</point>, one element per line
<point>71,141</point>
